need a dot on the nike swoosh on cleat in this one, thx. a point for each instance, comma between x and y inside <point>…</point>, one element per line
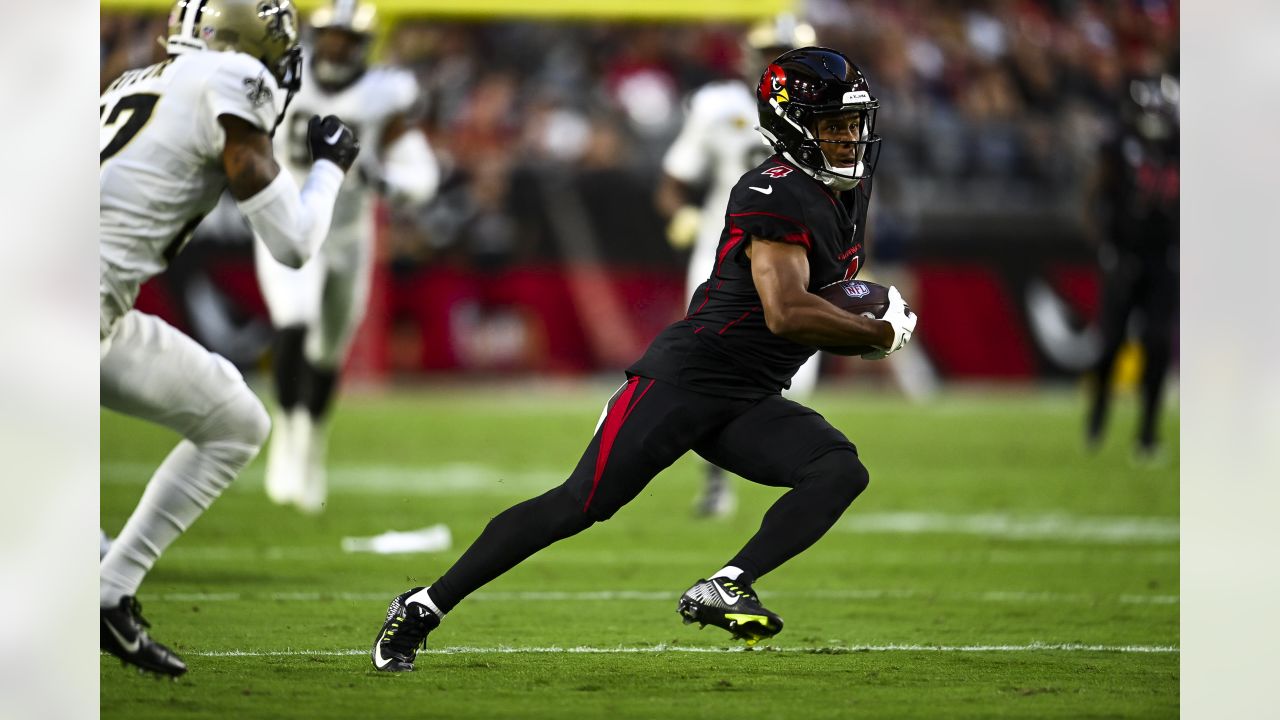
<point>729,599</point>
<point>129,647</point>
<point>379,661</point>
<point>765,190</point>
<point>334,137</point>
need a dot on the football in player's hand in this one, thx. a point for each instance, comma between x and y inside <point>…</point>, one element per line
<point>860,297</point>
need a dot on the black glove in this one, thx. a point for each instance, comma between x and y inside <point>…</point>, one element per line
<point>333,140</point>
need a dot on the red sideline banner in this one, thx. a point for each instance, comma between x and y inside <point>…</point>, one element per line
<point>977,321</point>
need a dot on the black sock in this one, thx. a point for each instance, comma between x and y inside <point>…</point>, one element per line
<point>321,385</point>
<point>825,488</point>
<point>1157,352</point>
<point>288,366</point>
<point>515,534</point>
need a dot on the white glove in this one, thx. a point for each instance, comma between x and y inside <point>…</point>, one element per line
<point>903,322</point>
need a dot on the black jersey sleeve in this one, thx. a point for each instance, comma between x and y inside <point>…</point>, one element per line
<point>766,203</point>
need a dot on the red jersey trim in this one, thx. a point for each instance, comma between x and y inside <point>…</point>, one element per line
<point>801,238</point>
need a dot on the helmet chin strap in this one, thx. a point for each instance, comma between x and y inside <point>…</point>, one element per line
<point>833,177</point>
<point>842,178</point>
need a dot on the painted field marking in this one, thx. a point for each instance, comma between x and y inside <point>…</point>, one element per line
<point>473,478</point>
<point>1000,596</point>
<point>1130,555</point>
<point>1051,526</point>
<point>504,650</point>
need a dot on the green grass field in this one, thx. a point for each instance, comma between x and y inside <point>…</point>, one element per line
<point>992,569</point>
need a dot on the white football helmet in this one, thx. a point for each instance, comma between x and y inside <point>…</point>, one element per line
<point>343,35</point>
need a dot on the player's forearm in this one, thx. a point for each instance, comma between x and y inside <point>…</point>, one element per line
<point>810,320</point>
<point>670,196</point>
<point>293,223</point>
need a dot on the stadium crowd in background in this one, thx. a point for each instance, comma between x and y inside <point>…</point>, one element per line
<point>1008,96</point>
<point>997,108</point>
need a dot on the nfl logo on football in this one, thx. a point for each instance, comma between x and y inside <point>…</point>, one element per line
<point>857,290</point>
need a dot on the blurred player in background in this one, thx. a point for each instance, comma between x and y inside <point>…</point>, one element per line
<point>317,308</point>
<point>1139,187</point>
<point>716,145</point>
<point>174,136</point>
<point>712,382</point>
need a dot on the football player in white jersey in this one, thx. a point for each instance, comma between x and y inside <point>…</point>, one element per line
<point>716,146</point>
<point>317,308</point>
<point>174,136</point>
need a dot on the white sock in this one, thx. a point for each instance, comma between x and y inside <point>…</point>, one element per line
<point>422,598</point>
<point>182,488</point>
<point>728,572</point>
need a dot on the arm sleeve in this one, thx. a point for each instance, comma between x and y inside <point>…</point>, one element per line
<point>686,160</point>
<point>292,224</point>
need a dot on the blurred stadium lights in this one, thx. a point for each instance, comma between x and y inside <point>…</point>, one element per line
<point>547,9</point>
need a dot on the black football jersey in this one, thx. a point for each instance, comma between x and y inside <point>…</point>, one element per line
<point>1141,186</point>
<point>722,346</point>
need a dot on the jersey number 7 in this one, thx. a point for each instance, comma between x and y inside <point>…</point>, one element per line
<point>116,132</point>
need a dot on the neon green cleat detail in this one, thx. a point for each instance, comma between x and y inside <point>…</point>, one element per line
<point>731,606</point>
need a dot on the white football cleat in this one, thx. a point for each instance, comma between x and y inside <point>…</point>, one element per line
<point>283,479</point>
<point>314,489</point>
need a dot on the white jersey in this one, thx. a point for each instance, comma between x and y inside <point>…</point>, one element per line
<point>717,144</point>
<point>161,170</point>
<point>366,105</point>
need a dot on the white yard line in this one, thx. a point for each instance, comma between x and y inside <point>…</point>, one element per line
<point>503,650</point>
<point>1052,526</point>
<point>474,478</point>
<point>668,596</point>
<point>1135,556</point>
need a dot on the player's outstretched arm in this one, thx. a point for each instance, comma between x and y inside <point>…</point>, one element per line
<point>291,223</point>
<point>780,272</point>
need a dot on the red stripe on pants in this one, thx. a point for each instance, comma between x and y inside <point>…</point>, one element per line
<point>609,431</point>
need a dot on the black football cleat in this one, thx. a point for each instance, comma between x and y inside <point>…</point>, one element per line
<point>730,605</point>
<point>124,635</point>
<point>405,630</point>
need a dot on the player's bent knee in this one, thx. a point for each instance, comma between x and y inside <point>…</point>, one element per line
<point>562,512</point>
<point>859,478</point>
<point>257,421</point>
<point>842,474</point>
<point>242,419</point>
<point>598,513</point>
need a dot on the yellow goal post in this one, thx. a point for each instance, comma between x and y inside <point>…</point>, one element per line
<point>480,10</point>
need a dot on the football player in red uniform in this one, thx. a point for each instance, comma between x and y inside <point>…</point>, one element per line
<point>712,381</point>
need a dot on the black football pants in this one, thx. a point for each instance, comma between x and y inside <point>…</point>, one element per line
<point>1148,285</point>
<point>646,427</point>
